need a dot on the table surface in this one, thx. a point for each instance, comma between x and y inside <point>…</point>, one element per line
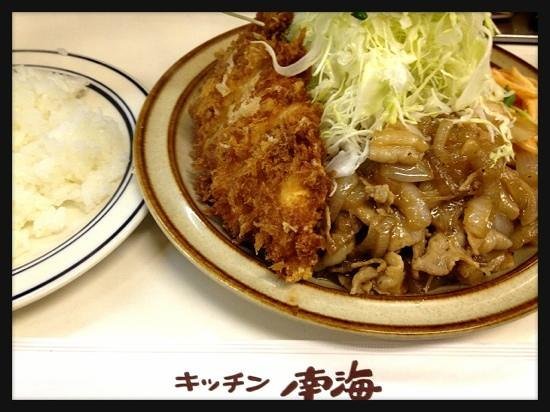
<point>146,289</point>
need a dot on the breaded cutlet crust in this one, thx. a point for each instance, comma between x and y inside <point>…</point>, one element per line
<point>258,153</point>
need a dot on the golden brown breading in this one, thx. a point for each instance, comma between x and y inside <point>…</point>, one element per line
<point>258,152</point>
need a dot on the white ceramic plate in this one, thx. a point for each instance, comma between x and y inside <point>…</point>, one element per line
<point>163,164</point>
<point>55,263</point>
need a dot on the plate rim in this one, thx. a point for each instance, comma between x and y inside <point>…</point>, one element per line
<point>54,281</point>
<point>212,270</point>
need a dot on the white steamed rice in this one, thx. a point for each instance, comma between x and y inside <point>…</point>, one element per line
<point>66,155</point>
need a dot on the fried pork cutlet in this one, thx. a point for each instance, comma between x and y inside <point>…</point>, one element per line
<point>258,153</point>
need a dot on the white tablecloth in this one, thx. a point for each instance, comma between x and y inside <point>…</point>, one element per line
<point>145,289</point>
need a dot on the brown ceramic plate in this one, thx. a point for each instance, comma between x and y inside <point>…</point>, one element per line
<point>162,147</point>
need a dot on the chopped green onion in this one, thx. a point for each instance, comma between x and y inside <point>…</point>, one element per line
<point>509,100</point>
<point>361,15</point>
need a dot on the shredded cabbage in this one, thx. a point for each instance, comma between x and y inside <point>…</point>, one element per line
<point>394,67</point>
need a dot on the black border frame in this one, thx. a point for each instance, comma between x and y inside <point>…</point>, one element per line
<point>11,6</point>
